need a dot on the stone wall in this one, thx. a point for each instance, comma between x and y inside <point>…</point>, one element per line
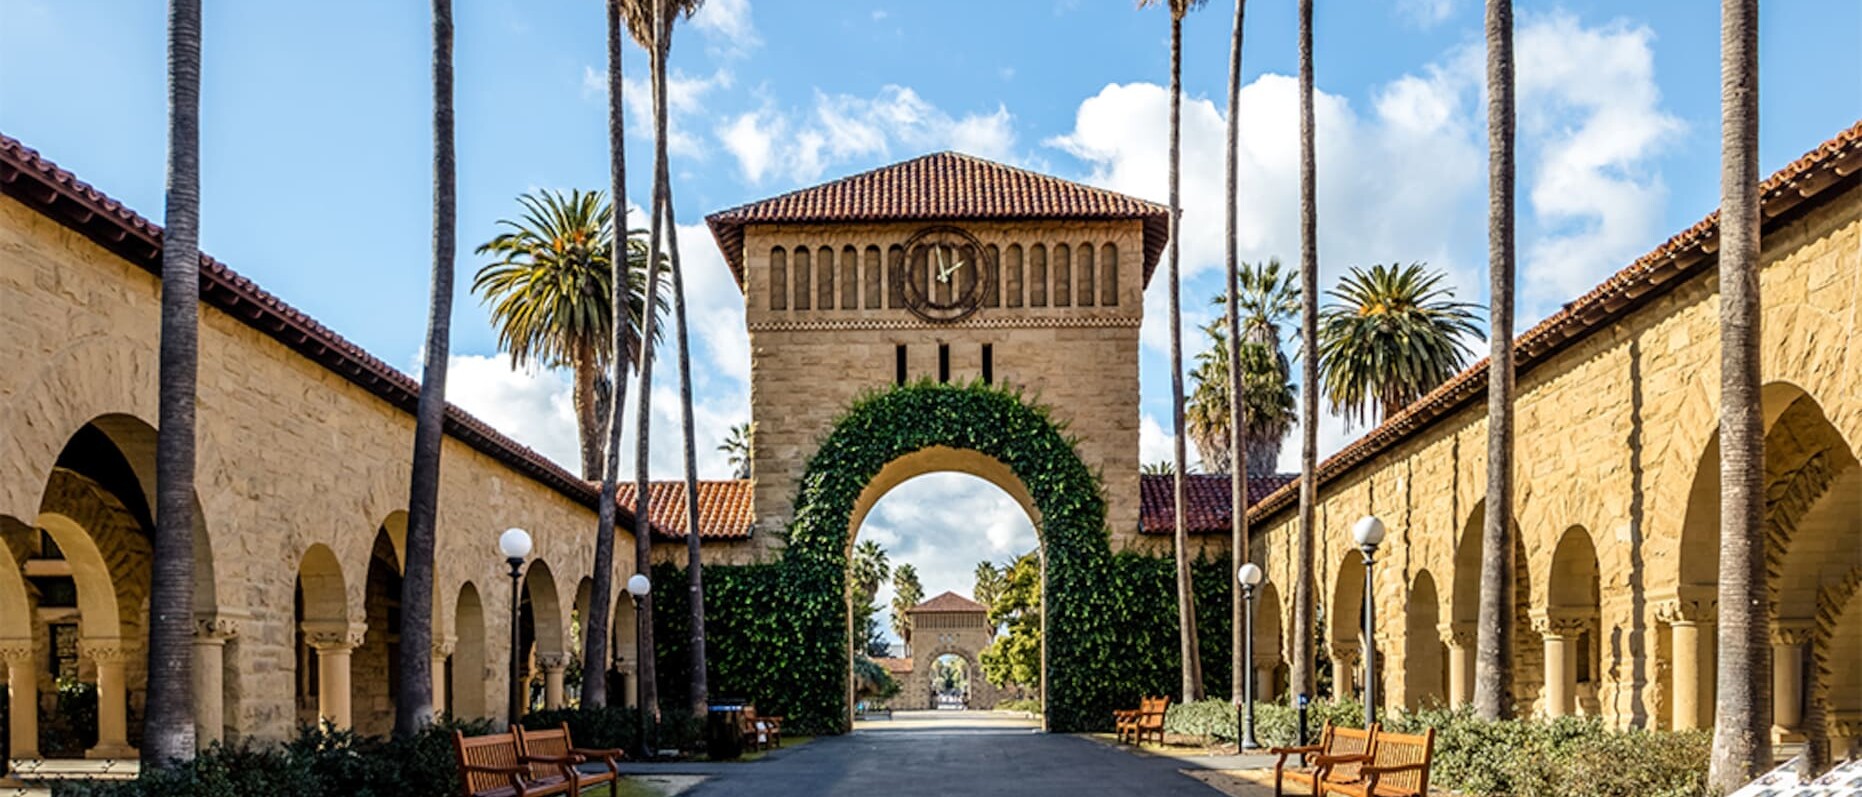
<point>1612,434</point>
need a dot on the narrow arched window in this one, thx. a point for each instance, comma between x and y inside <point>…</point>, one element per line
<point>849,278</point>
<point>1037,276</point>
<point>874,283</point>
<point>895,277</point>
<point>778,279</point>
<point>1063,275</point>
<point>1014,278</point>
<point>992,277</point>
<point>804,295</point>
<point>1108,275</point>
<point>824,278</point>
<point>1086,293</point>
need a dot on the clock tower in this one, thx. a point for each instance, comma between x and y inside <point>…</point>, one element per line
<point>950,268</point>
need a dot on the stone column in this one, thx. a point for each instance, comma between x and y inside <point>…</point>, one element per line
<point>333,643</point>
<point>1690,624</point>
<point>110,657</point>
<point>1789,643</point>
<point>22,697</point>
<point>1459,639</point>
<point>442,650</point>
<point>210,635</point>
<point>1560,634</point>
<point>630,696</point>
<point>1264,677</point>
<point>1344,669</point>
<point>552,665</point>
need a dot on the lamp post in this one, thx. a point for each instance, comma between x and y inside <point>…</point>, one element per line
<point>514,543</point>
<point>1369,533</point>
<point>639,586</point>
<point>1249,576</point>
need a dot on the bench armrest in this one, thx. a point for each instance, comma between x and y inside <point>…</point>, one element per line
<point>496,770</point>
<point>1377,770</point>
<point>555,759</point>
<point>1334,760</point>
<point>1304,748</point>
<point>605,752</point>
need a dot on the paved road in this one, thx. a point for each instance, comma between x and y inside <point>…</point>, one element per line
<point>948,753</point>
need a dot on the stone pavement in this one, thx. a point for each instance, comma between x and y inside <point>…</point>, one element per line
<point>942,753</point>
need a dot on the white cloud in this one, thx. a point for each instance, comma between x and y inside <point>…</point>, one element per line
<point>1426,13</point>
<point>727,27</point>
<point>1155,444</point>
<point>800,145</point>
<point>685,100</point>
<point>534,407</point>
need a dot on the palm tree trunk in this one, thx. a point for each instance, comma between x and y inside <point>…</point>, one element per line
<point>1237,408</point>
<point>694,563</point>
<point>1303,609</point>
<point>595,634</point>
<point>1742,732</point>
<point>1186,596</point>
<point>1493,659</point>
<point>643,536</point>
<point>588,423</point>
<point>169,724</point>
<point>414,705</point>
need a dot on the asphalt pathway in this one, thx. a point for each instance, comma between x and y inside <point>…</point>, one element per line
<point>953,753</point>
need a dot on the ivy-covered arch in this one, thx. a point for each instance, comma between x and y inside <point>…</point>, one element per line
<point>883,426</point>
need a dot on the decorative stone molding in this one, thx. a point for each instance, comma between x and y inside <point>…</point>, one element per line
<point>215,628</point>
<point>15,650</point>
<point>334,637</point>
<point>1793,632</point>
<point>1559,625</point>
<point>443,648</point>
<point>1458,635</point>
<point>1680,611</point>
<point>107,651</point>
<point>1345,653</point>
<point>552,662</point>
<point>1266,661</point>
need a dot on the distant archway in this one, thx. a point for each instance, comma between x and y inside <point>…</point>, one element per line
<point>1424,656</point>
<point>1570,625</point>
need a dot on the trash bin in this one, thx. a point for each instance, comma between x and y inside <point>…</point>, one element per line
<point>723,729</point>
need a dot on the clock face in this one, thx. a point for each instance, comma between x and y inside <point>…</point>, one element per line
<point>943,273</point>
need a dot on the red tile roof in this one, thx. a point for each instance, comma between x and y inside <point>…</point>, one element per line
<point>1819,175</point>
<point>941,186</point>
<point>894,665</point>
<point>724,511</point>
<point>949,602</point>
<point>1206,499</point>
<point>41,185</point>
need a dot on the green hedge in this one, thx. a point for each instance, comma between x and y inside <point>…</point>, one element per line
<point>1567,757</point>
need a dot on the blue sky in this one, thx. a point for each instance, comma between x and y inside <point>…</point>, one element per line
<point>316,149</point>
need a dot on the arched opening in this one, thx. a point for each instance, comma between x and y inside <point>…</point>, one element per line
<point>323,639</point>
<point>466,671</point>
<point>1812,521</point>
<point>1569,626</point>
<point>1345,625</point>
<point>950,682</point>
<point>889,436</point>
<point>376,664</point>
<point>1270,668</point>
<point>1464,616</point>
<point>540,640</point>
<point>624,650</point>
<point>1424,655</point>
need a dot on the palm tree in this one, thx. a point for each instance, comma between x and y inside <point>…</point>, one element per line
<point>1268,297</point>
<point>1186,598</point>
<point>907,592</point>
<point>552,299</point>
<point>1394,335</point>
<point>736,448</point>
<point>989,583</point>
<point>1237,432</point>
<point>1494,638</point>
<point>1267,403</point>
<point>169,735</point>
<point>623,345</point>
<point>1302,673</point>
<point>650,23</point>
<point>1162,467</point>
<point>871,568</point>
<point>414,703</point>
<point>1742,729</point>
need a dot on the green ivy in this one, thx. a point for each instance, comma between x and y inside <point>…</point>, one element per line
<point>777,633</point>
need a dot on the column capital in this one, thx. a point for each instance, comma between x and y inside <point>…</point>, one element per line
<point>15,650</point>
<point>443,648</point>
<point>107,651</point>
<point>1684,611</point>
<point>1345,652</point>
<point>1793,632</point>
<point>334,637</point>
<point>552,662</point>
<point>1555,624</point>
<point>1457,635</point>
<point>1266,660</point>
<point>215,628</point>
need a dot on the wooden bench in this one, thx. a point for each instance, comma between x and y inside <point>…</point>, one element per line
<point>492,766</point>
<point>1145,720</point>
<point>1333,762</point>
<point>760,732</point>
<point>1398,766</point>
<point>555,746</point>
